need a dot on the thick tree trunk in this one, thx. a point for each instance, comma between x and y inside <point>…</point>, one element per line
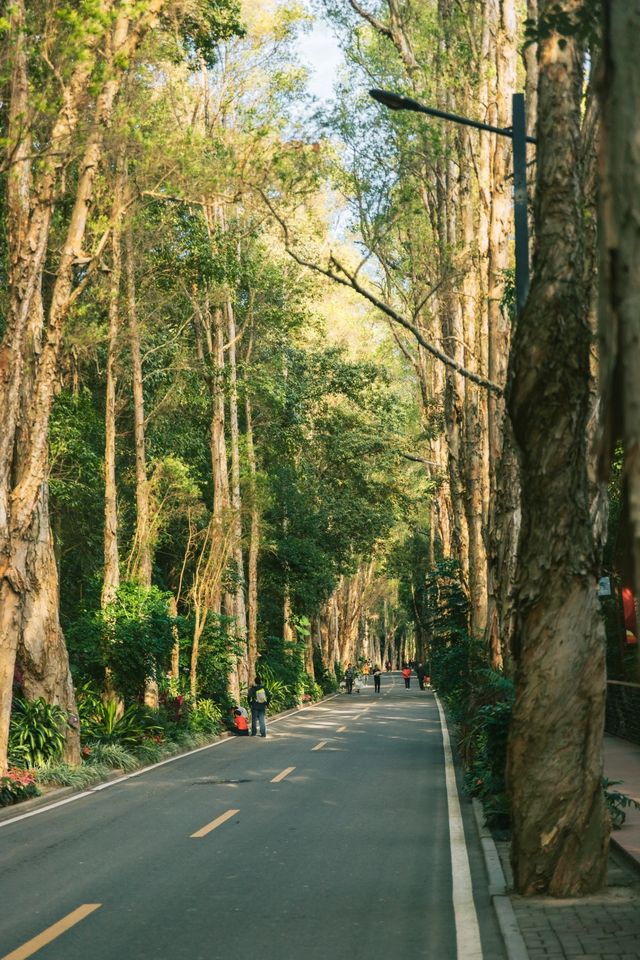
<point>560,826</point>
<point>620,255</point>
<point>42,654</point>
<point>31,194</point>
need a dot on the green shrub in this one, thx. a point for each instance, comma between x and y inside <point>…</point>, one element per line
<point>17,785</point>
<point>64,775</point>
<point>104,723</point>
<point>312,690</point>
<point>617,803</point>
<point>113,756</point>
<point>36,732</point>
<point>132,638</point>
<point>204,716</point>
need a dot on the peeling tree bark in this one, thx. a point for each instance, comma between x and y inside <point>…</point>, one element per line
<point>560,827</point>
<point>31,195</point>
<point>620,254</point>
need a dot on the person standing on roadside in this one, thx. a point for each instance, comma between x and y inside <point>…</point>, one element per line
<point>377,673</point>
<point>258,698</point>
<point>406,673</point>
<point>349,674</point>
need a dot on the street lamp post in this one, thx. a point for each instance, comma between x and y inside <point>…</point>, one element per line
<point>518,135</point>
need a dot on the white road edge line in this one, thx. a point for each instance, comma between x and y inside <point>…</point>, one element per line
<point>468,943</point>
<point>137,773</point>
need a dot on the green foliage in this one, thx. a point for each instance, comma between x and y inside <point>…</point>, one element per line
<point>107,722</point>
<point>36,732</point>
<point>204,716</point>
<point>111,754</point>
<point>57,774</point>
<point>617,803</point>
<point>218,647</point>
<point>325,678</point>
<point>281,667</point>
<point>131,638</point>
<point>479,699</point>
<point>17,785</point>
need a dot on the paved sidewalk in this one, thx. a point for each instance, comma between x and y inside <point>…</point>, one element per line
<point>601,927</point>
<point>622,762</point>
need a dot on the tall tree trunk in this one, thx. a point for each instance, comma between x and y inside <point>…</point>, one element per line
<point>111,572</point>
<point>620,246</point>
<point>31,195</point>
<point>560,826</point>
<point>254,547</point>
<point>240,608</point>
<point>504,500</point>
<point>141,559</point>
<point>141,563</point>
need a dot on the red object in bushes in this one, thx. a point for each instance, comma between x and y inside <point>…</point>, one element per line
<point>630,620</point>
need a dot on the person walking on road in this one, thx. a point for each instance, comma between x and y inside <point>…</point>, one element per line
<point>420,672</point>
<point>259,698</point>
<point>406,673</point>
<point>349,674</point>
<point>388,666</point>
<point>377,673</point>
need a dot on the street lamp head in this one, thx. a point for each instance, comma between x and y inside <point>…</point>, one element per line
<point>392,100</point>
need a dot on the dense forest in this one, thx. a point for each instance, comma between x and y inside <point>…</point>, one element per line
<point>268,401</point>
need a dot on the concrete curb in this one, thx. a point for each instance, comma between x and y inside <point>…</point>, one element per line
<point>625,854</point>
<point>60,793</point>
<point>507,920</point>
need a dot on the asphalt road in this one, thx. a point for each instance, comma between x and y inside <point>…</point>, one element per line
<point>346,856</point>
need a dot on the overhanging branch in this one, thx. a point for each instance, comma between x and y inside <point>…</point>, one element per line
<point>339,274</point>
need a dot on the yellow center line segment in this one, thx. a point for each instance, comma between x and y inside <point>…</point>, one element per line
<point>42,939</point>
<point>320,745</point>
<point>203,831</point>
<point>281,776</point>
<point>341,729</point>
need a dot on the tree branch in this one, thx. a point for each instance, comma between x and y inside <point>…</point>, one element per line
<point>347,280</point>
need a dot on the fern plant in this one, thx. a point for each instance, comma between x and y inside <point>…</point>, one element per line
<point>105,723</point>
<point>36,733</point>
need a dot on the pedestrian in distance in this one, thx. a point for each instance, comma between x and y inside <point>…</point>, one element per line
<point>420,673</point>
<point>259,698</point>
<point>366,669</point>
<point>406,673</point>
<point>377,673</point>
<point>349,674</point>
<point>388,666</point>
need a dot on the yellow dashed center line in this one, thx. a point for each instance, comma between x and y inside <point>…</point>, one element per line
<point>341,729</point>
<point>281,776</point>
<point>320,745</point>
<point>29,948</point>
<point>215,823</point>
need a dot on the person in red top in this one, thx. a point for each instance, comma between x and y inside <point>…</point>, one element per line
<point>240,722</point>
<point>406,673</point>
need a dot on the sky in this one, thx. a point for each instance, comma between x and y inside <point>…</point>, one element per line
<point>320,52</point>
